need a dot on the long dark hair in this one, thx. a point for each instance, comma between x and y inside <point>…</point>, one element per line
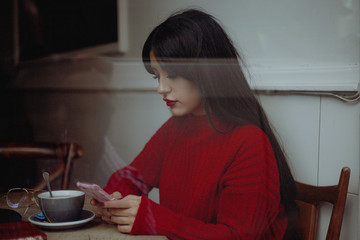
<point>192,44</point>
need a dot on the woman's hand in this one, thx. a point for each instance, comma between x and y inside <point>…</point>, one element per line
<point>122,212</point>
<point>103,212</point>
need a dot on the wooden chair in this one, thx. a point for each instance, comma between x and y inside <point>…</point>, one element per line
<point>308,199</point>
<point>52,151</point>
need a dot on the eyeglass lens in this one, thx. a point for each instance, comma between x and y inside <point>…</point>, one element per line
<point>19,198</point>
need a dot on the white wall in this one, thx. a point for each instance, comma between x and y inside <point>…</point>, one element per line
<point>301,45</point>
<point>308,31</point>
<point>320,135</point>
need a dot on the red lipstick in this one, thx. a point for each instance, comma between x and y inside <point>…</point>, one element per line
<point>169,102</point>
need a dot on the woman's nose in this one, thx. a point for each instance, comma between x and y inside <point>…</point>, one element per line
<point>163,87</point>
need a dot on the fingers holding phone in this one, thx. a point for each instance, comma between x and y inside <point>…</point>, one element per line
<point>122,212</point>
<point>104,212</point>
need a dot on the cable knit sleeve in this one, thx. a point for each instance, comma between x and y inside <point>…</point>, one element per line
<point>248,199</point>
<point>142,174</point>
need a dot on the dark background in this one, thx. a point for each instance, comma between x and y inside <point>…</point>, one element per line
<point>45,27</point>
<point>56,26</point>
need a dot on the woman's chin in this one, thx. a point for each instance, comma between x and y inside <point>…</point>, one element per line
<point>178,113</point>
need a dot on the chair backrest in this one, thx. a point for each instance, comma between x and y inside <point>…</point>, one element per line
<point>308,199</point>
<point>46,150</point>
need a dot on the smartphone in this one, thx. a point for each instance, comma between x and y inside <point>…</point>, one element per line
<point>95,191</point>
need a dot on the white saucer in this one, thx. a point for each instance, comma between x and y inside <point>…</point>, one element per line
<point>85,217</point>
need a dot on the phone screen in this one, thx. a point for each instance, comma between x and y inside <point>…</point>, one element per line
<point>95,191</point>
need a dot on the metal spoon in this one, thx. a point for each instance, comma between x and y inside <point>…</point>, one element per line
<point>47,181</point>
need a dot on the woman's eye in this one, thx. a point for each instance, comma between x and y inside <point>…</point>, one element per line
<point>156,77</point>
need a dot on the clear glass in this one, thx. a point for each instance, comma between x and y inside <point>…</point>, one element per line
<point>22,198</point>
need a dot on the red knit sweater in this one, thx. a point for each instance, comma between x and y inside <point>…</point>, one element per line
<point>211,185</point>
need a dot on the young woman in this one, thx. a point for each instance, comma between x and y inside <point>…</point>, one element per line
<point>220,171</point>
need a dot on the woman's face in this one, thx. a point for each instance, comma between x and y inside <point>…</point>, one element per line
<point>179,94</point>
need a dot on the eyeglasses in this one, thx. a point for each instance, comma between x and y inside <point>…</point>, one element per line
<point>22,198</point>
